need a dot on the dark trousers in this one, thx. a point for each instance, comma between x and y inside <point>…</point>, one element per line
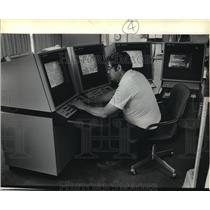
<point>132,137</point>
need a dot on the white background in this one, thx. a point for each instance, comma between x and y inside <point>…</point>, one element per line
<point>107,9</point>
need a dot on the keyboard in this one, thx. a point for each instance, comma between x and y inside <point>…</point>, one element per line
<point>98,92</point>
<point>67,110</point>
<point>85,99</point>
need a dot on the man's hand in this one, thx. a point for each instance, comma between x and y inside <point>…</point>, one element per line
<point>102,112</point>
<point>79,104</point>
<point>86,100</point>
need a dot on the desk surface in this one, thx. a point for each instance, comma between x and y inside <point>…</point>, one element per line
<point>84,118</point>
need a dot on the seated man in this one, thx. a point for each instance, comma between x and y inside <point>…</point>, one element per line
<point>134,95</point>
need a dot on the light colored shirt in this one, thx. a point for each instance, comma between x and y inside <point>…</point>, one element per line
<point>134,96</point>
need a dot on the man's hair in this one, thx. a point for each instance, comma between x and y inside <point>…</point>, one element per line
<point>121,58</point>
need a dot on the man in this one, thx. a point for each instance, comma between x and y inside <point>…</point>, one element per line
<point>134,95</point>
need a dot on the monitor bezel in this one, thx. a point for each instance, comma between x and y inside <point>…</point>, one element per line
<point>139,48</point>
<point>57,105</point>
<point>79,70</point>
<point>183,80</point>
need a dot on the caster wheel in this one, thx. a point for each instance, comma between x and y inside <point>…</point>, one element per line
<point>133,171</point>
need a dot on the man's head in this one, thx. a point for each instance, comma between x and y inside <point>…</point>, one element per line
<point>118,64</point>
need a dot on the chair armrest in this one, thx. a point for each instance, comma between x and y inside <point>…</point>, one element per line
<point>168,122</point>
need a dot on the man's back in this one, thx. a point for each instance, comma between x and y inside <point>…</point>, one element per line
<point>135,98</point>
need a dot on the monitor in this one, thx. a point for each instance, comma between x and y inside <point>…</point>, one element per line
<point>91,66</point>
<point>141,56</point>
<point>56,66</point>
<point>183,62</point>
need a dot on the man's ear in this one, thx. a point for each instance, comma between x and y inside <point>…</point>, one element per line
<point>119,68</point>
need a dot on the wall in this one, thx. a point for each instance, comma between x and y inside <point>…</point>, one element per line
<point>69,40</point>
<point>18,44</point>
<point>42,41</point>
<point>15,44</point>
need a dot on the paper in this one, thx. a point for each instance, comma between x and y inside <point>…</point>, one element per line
<point>136,58</point>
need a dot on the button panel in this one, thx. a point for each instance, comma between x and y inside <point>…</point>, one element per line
<point>67,110</point>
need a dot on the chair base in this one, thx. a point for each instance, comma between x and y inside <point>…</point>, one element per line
<point>155,156</point>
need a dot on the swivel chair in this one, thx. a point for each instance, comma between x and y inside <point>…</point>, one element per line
<point>174,107</point>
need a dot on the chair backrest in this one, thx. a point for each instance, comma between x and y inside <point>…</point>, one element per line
<point>176,103</point>
<point>174,109</point>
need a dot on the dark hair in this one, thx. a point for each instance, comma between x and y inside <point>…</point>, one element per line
<point>121,58</point>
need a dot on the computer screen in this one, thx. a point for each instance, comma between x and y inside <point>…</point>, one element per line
<point>183,62</point>
<point>56,66</point>
<point>88,64</point>
<point>141,56</point>
<point>54,73</point>
<point>91,66</point>
<point>180,61</point>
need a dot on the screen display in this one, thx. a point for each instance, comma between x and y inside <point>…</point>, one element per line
<point>180,61</point>
<point>136,58</point>
<point>54,73</point>
<point>88,64</point>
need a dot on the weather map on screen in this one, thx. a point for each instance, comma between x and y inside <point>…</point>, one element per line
<point>179,61</point>
<point>88,64</point>
<point>136,58</point>
<point>54,73</point>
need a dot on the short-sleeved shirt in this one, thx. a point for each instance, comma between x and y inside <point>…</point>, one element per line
<point>134,96</point>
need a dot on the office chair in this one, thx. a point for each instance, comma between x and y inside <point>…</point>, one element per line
<point>174,107</point>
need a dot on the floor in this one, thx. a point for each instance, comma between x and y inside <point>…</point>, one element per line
<point>104,175</point>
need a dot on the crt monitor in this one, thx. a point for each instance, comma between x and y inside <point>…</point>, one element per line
<point>183,62</point>
<point>56,67</point>
<point>92,66</point>
<point>141,56</point>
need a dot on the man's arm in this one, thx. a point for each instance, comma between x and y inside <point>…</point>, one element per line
<point>105,97</point>
<point>102,112</point>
